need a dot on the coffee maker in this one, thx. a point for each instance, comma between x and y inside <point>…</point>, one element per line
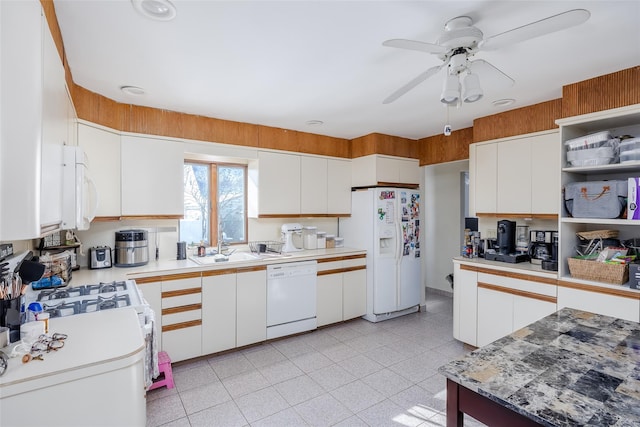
<point>506,237</point>
<point>506,244</point>
<point>540,248</point>
<point>552,263</point>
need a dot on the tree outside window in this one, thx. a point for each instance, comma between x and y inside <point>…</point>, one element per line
<point>214,201</point>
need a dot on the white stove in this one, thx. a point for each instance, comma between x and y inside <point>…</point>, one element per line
<point>78,300</point>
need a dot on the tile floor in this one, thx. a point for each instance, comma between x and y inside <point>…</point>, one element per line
<point>352,374</point>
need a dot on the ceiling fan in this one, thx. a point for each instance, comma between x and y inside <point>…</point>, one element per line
<point>461,40</point>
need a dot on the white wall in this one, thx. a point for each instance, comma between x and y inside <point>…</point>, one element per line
<point>442,207</point>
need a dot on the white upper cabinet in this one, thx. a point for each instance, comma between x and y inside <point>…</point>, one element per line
<point>338,186</point>
<point>517,175</point>
<point>545,174</point>
<point>102,148</point>
<point>54,132</point>
<point>514,176</point>
<point>484,177</point>
<point>313,185</point>
<point>293,184</point>
<point>377,169</point>
<point>152,177</point>
<point>275,184</point>
<point>33,123</point>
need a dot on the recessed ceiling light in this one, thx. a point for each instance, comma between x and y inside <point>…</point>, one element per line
<point>160,10</point>
<point>315,122</point>
<point>503,102</point>
<point>132,90</point>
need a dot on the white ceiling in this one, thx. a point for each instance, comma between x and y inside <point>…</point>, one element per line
<point>283,63</point>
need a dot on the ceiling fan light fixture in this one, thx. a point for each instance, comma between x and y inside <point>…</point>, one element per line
<point>471,89</point>
<point>159,10</point>
<point>451,90</point>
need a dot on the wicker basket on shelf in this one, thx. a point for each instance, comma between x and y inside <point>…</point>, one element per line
<point>597,234</point>
<point>590,269</point>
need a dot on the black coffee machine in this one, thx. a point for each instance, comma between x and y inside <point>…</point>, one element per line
<point>506,237</point>
<point>551,264</point>
<point>540,246</point>
<point>506,244</point>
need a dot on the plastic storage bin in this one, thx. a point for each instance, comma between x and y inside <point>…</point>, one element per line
<point>629,145</point>
<point>593,140</point>
<point>331,241</point>
<point>322,239</point>
<point>630,156</point>
<point>310,237</point>
<point>591,157</point>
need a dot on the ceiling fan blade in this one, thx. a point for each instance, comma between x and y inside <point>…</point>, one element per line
<point>415,45</point>
<point>413,83</point>
<point>548,25</point>
<point>480,66</point>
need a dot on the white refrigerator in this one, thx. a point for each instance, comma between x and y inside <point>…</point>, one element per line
<point>386,222</point>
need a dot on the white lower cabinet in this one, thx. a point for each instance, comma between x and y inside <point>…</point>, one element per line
<point>354,293</point>
<point>507,303</point>
<point>182,316</point>
<point>218,310</point>
<point>251,315</point>
<point>465,304</point>
<point>609,302</point>
<point>489,304</point>
<point>341,289</point>
<point>528,310</point>
<point>495,315</point>
<point>329,299</point>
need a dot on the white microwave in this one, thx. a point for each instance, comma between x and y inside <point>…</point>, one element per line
<point>79,193</point>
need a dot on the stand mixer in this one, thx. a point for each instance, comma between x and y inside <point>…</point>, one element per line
<point>288,230</point>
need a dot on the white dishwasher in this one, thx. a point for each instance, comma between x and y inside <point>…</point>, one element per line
<point>291,298</point>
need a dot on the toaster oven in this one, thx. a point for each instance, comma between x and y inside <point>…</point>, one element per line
<point>99,257</point>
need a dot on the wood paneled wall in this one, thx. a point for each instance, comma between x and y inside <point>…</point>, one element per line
<point>442,149</point>
<point>377,143</point>
<point>534,118</point>
<point>613,90</point>
<point>133,118</point>
<point>600,93</point>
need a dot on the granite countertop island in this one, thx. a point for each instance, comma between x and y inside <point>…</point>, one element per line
<point>570,368</point>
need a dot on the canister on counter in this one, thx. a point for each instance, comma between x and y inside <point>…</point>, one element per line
<point>310,237</point>
<point>339,242</point>
<point>331,241</point>
<point>322,239</point>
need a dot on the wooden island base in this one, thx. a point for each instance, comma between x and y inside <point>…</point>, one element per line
<point>461,400</point>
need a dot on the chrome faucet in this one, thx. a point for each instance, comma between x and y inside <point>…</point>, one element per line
<point>221,243</point>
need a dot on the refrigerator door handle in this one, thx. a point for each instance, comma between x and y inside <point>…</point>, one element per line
<point>399,242</point>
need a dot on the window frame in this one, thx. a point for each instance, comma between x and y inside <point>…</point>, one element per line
<point>213,198</point>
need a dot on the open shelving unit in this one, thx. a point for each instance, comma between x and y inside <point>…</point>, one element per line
<point>620,121</point>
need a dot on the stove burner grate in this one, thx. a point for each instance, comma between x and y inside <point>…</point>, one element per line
<point>103,288</point>
<point>105,303</point>
<point>62,309</point>
<point>55,294</point>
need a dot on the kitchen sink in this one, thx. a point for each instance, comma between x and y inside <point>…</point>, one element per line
<point>234,257</point>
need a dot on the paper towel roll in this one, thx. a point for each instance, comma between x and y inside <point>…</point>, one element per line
<point>30,331</point>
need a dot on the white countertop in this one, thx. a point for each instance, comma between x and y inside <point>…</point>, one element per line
<point>173,266</point>
<point>520,267</point>
<point>97,343</point>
